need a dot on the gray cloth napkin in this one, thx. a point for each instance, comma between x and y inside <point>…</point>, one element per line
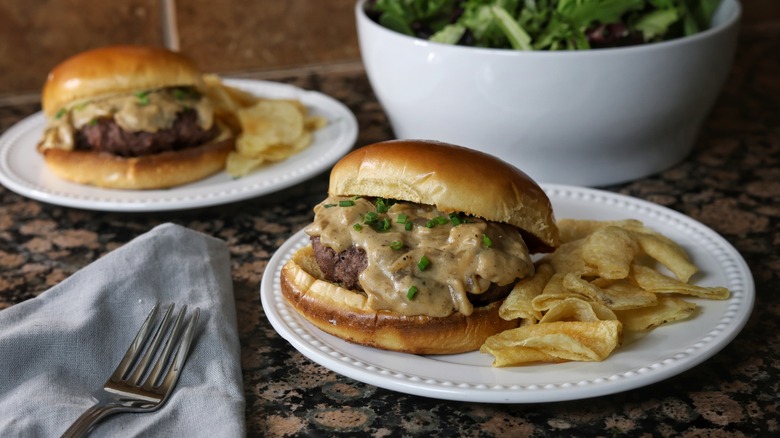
<point>58,348</point>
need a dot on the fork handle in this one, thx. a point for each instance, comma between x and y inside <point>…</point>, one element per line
<point>89,418</point>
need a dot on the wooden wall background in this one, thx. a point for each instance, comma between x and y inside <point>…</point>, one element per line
<point>224,36</point>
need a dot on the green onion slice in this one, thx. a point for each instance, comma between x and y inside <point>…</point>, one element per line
<point>396,244</point>
<point>423,263</point>
<point>411,292</point>
<point>185,93</point>
<point>370,218</point>
<point>143,97</point>
<point>346,203</point>
<point>438,220</point>
<point>357,227</point>
<point>383,225</point>
<point>381,205</point>
<point>486,241</point>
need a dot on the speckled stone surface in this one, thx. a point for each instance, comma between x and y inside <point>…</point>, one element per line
<point>731,183</point>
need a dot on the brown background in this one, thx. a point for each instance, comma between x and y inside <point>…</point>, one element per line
<point>225,36</point>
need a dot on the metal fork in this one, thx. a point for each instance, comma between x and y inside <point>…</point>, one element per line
<point>131,388</point>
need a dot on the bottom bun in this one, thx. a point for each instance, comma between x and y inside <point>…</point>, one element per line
<point>345,314</point>
<point>157,171</point>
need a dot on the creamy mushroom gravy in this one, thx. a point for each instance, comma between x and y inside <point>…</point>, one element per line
<point>461,260</point>
<point>147,111</point>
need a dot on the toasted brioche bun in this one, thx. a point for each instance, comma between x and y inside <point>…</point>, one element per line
<point>120,70</point>
<point>345,314</point>
<point>454,179</point>
<point>115,70</point>
<point>156,171</point>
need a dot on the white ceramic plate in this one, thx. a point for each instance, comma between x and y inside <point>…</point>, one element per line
<point>642,360</point>
<point>22,169</point>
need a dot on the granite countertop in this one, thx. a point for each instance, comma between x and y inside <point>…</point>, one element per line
<point>731,183</point>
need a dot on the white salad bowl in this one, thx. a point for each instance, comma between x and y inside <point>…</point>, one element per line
<point>591,117</point>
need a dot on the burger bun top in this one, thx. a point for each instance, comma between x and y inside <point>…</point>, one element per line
<point>452,178</point>
<point>115,70</point>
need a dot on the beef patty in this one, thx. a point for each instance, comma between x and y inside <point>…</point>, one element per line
<point>345,268</point>
<point>106,136</point>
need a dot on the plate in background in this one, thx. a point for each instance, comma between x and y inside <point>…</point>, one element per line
<point>23,170</point>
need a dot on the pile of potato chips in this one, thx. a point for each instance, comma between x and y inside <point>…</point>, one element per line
<point>606,277</point>
<point>270,130</point>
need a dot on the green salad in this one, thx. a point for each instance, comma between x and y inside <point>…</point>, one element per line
<point>544,24</point>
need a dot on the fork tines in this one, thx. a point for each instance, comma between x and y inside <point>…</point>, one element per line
<point>133,370</point>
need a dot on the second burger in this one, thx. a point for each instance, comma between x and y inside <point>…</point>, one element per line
<point>131,117</point>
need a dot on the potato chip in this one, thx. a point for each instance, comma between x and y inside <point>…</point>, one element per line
<point>553,293</point>
<point>600,284</point>
<point>578,309</point>
<point>268,123</point>
<point>227,97</point>
<point>668,253</point>
<point>238,164</point>
<point>656,282</point>
<point>517,305</point>
<point>575,229</point>
<point>313,123</point>
<point>554,342</point>
<point>667,310</point>
<point>611,250</point>
<point>618,295</point>
<point>507,354</point>
<point>268,130</point>
<point>227,100</point>
<point>568,258</point>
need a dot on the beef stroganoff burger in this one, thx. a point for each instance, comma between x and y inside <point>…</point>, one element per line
<point>131,117</point>
<point>416,247</point>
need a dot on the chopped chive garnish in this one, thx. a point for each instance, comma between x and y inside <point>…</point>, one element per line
<point>92,122</point>
<point>396,245</point>
<point>346,203</point>
<point>357,227</point>
<point>438,220</point>
<point>143,97</point>
<point>329,205</point>
<point>383,225</point>
<point>486,241</point>
<point>411,292</point>
<point>60,113</point>
<point>402,218</point>
<point>423,263</point>
<point>370,218</point>
<point>408,226</point>
<point>381,205</point>
<point>182,93</point>
<point>455,219</point>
